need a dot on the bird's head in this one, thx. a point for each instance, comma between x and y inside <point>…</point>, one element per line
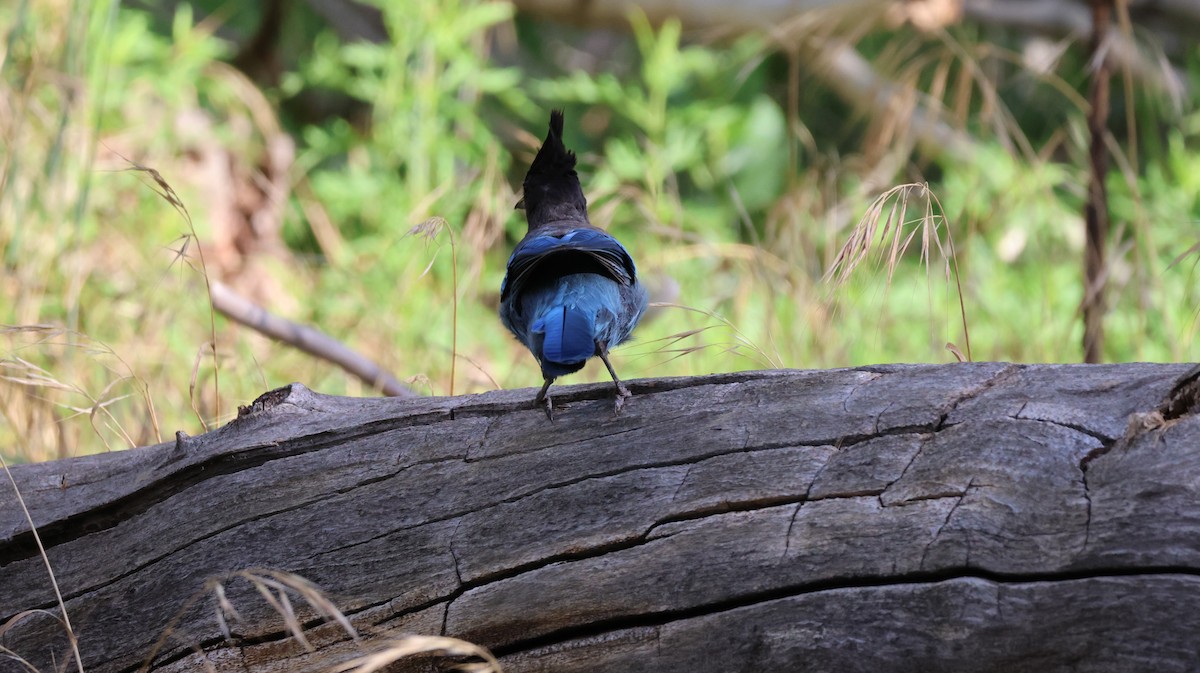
<point>552,190</point>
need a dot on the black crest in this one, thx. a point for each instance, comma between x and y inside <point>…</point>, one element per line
<point>552,190</point>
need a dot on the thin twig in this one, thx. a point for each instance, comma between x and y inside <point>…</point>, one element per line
<point>1095,210</point>
<point>308,339</point>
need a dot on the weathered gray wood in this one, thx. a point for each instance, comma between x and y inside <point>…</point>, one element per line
<point>972,517</point>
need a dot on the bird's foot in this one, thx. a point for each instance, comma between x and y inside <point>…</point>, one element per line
<point>622,395</point>
<point>543,399</point>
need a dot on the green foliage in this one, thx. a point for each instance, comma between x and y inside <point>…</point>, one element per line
<point>684,124</point>
<point>426,138</point>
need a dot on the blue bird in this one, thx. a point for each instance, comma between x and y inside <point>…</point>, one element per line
<point>571,291</point>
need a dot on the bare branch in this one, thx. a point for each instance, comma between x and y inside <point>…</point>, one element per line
<point>308,339</point>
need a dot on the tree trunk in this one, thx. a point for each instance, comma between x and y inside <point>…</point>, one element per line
<point>967,517</point>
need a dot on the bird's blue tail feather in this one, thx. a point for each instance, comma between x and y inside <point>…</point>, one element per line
<point>569,334</point>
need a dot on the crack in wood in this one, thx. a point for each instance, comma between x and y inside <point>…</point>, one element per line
<point>206,645</point>
<point>1104,440</point>
<point>600,627</point>
<point>723,507</point>
<point>457,566</point>
<point>1184,397</point>
<point>682,482</point>
<point>568,441</point>
<point>1084,463</point>
<point>875,376</point>
<point>628,469</point>
<point>925,439</point>
<point>307,626</point>
<point>878,416</point>
<point>168,484</point>
<point>80,591</point>
<point>990,382</point>
<point>945,522</point>
<point>1087,497</point>
<point>645,537</point>
<point>609,625</point>
<point>690,460</point>
<point>787,537</point>
<point>787,541</point>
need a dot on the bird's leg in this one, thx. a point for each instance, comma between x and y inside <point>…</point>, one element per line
<point>543,398</point>
<point>622,392</point>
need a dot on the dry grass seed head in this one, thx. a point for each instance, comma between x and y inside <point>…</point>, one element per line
<point>390,651</point>
<point>894,234</point>
<point>273,586</point>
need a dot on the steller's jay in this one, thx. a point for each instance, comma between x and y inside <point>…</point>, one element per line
<point>571,291</point>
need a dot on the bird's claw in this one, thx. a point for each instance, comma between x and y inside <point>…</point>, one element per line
<point>622,395</point>
<point>543,399</point>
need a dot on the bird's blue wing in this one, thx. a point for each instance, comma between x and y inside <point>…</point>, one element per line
<point>538,247</point>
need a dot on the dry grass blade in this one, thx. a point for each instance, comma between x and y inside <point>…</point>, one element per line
<point>675,338</point>
<point>224,610</point>
<point>34,375</point>
<point>164,190</point>
<point>760,355</point>
<point>429,229</point>
<point>955,352</point>
<point>50,330</point>
<point>1193,250</point>
<point>491,379</point>
<point>310,592</point>
<point>735,348</point>
<point>180,255</point>
<point>22,372</point>
<point>5,652</point>
<point>66,621</point>
<point>273,586</point>
<point>20,617</point>
<point>284,607</point>
<point>208,665</point>
<point>195,378</point>
<point>161,186</point>
<point>390,651</point>
<point>100,404</point>
<point>57,394</point>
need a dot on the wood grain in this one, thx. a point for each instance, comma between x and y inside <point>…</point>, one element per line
<point>968,517</point>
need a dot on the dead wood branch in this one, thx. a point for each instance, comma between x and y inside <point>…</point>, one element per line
<point>308,339</point>
<point>969,517</point>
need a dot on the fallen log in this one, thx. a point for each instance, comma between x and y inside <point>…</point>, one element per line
<point>964,517</point>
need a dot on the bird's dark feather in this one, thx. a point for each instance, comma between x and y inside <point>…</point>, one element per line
<point>570,251</point>
<point>571,290</point>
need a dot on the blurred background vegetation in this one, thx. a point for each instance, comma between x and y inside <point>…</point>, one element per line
<point>355,169</point>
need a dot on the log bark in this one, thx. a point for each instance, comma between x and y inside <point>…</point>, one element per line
<point>966,517</point>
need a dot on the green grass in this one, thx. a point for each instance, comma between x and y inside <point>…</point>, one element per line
<point>686,157</point>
